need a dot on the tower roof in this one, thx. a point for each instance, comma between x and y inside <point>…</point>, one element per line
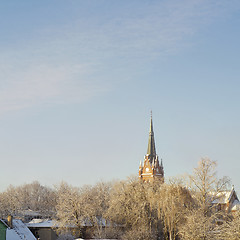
<point>151,151</point>
<point>151,170</point>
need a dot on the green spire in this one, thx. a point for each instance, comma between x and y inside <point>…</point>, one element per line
<point>151,143</point>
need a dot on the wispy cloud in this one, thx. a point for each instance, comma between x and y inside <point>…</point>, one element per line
<point>154,29</point>
<point>63,64</point>
<point>35,85</point>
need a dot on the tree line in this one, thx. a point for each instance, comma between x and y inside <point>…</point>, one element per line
<point>180,209</point>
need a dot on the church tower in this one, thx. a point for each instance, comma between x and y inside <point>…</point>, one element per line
<point>150,169</point>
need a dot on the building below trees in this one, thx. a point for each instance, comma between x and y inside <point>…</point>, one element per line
<point>227,201</point>
<point>14,229</point>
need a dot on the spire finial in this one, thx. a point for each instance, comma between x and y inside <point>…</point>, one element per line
<point>151,124</point>
<point>151,143</point>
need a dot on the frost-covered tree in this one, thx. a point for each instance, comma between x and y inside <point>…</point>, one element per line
<point>69,211</point>
<point>204,185</point>
<point>31,196</point>
<point>78,208</point>
<point>173,201</point>
<point>36,197</point>
<point>148,210</point>
<point>131,209</point>
<point>96,204</point>
<point>199,226</point>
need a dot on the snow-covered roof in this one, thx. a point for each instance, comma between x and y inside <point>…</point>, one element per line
<point>19,231</point>
<point>42,223</point>
<point>224,196</point>
<point>229,198</point>
<point>235,205</point>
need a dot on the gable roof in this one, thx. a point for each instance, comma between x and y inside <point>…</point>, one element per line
<point>235,205</point>
<point>228,198</point>
<point>225,197</point>
<point>19,231</point>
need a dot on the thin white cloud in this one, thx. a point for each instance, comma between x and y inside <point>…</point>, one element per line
<point>63,64</point>
<point>155,30</point>
<point>45,84</point>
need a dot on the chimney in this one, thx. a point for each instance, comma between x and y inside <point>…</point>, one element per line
<point>10,221</point>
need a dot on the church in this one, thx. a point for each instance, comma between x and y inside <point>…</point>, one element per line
<point>151,169</point>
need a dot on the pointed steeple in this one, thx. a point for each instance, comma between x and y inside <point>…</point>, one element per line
<point>151,151</point>
<point>151,170</point>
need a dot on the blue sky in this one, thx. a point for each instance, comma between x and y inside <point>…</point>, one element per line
<point>78,80</point>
